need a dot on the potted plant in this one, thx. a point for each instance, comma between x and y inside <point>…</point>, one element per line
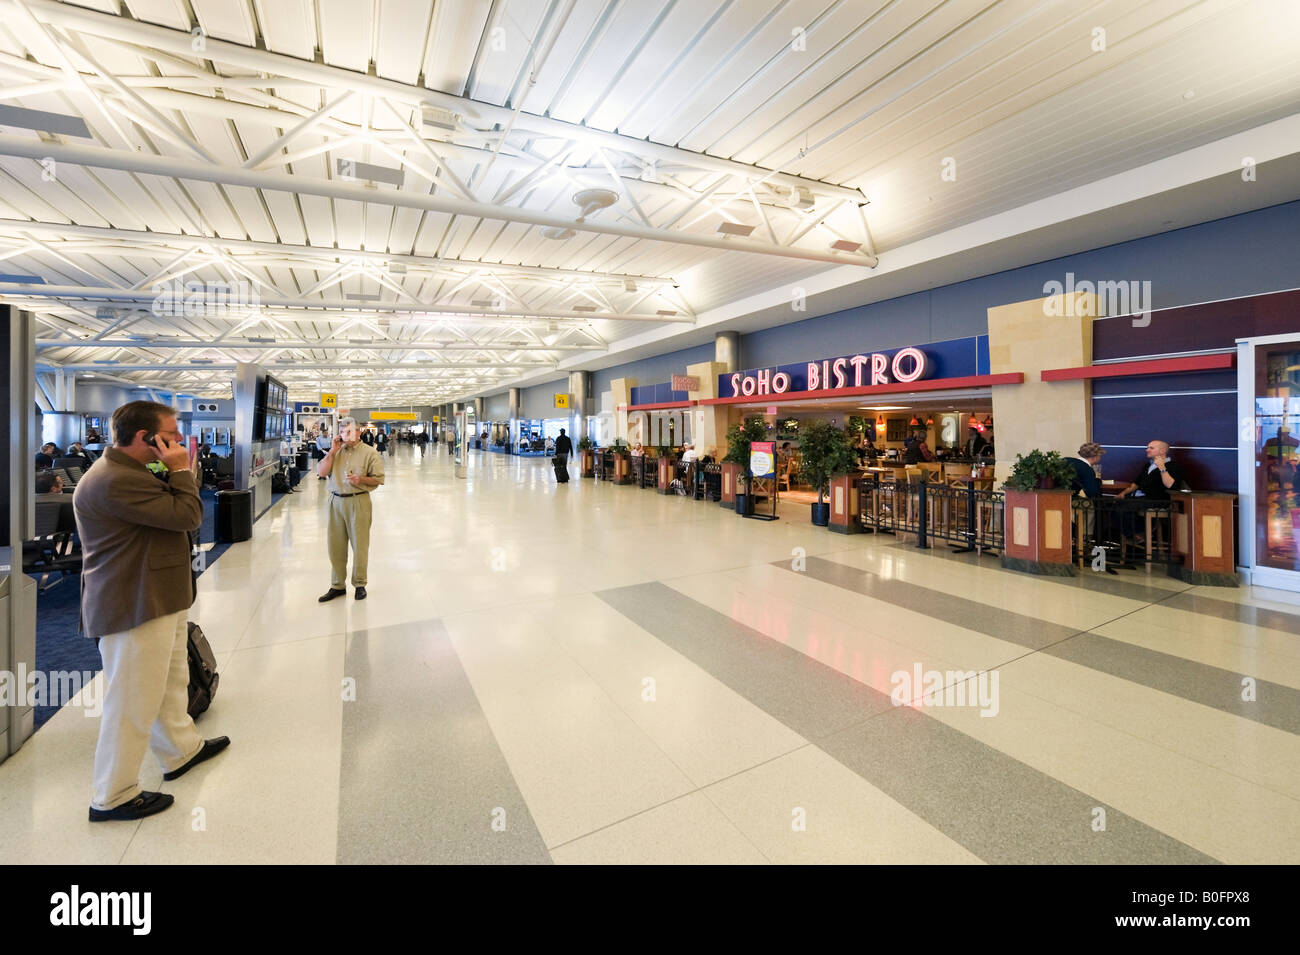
<point>1039,471</point>
<point>739,438</point>
<point>622,464</point>
<point>585,457</point>
<point>826,453</point>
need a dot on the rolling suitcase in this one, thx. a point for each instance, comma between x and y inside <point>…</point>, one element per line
<point>561,469</point>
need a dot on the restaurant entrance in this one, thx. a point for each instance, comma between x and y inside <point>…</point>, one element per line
<point>1268,457</point>
<point>945,436</point>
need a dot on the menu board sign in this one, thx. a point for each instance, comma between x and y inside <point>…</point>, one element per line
<point>762,458</point>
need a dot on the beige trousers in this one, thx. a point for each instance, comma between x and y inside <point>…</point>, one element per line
<point>349,522</point>
<point>146,697</point>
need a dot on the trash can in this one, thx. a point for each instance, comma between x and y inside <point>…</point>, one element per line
<point>301,463</point>
<point>234,516</point>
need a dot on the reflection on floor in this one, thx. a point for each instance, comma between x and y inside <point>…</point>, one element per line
<point>591,673</point>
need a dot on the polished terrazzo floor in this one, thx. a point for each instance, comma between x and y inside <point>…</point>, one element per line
<point>590,673</point>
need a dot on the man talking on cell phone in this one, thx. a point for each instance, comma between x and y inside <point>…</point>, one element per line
<point>136,591</point>
<point>354,469</point>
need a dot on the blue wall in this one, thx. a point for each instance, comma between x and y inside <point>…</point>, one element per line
<point>1248,254</point>
<point>651,371</point>
<point>539,400</point>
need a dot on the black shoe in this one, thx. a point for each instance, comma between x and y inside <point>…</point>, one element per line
<point>361,593</point>
<point>210,748</point>
<point>331,594</point>
<point>145,804</point>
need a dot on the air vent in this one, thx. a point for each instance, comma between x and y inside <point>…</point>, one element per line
<point>368,172</point>
<point>666,311</point>
<point>844,245</point>
<point>361,298</point>
<point>735,228</point>
<point>485,303</point>
<point>585,308</point>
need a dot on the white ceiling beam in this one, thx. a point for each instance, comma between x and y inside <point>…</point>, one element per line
<point>312,254</point>
<point>145,297</point>
<point>177,167</point>
<point>179,42</point>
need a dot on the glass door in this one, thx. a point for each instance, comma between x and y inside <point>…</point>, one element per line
<point>1276,449</point>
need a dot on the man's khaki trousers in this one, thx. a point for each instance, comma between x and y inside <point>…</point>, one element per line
<point>349,522</point>
<point>146,701</point>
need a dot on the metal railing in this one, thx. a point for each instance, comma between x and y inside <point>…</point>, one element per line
<point>967,516</point>
<point>1120,533</point>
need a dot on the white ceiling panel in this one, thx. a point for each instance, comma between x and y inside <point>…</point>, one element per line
<point>288,26</point>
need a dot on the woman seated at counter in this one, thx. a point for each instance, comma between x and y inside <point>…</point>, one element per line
<point>637,451</point>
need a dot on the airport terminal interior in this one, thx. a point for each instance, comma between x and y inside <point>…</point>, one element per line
<point>798,431</point>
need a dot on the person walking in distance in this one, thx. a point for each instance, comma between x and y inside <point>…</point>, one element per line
<point>563,451</point>
<point>354,469</point>
<point>136,591</point>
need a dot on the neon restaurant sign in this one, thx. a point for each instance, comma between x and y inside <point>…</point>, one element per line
<point>829,374</point>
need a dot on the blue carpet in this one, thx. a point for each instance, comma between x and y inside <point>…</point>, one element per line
<point>58,644</point>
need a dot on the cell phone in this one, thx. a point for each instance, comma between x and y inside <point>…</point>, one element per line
<point>150,437</point>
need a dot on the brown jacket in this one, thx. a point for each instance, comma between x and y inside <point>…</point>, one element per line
<point>135,543</point>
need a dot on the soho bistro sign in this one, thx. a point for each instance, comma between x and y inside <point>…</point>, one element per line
<point>830,374</point>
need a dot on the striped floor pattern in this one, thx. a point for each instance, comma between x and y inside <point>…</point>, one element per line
<point>599,674</point>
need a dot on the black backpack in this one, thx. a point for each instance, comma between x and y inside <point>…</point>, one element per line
<point>203,671</point>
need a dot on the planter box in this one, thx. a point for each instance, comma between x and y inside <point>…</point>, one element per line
<point>1204,534</point>
<point>622,469</point>
<point>588,463</point>
<point>1037,532</point>
<point>731,474</point>
<point>665,475</point>
<point>844,506</point>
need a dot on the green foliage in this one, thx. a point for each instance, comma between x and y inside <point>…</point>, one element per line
<point>584,443</point>
<point>739,438</point>
<point>826,452</point>
<point>1030,469</point>
<point>619,446</point>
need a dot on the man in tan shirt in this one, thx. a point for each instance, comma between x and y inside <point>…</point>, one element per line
<point>136,591</point>
<point>353,470</point>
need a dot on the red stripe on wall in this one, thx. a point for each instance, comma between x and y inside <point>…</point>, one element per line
<point>1154,366</point>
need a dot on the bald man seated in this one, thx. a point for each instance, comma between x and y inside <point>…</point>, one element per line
<point>1160,476</point>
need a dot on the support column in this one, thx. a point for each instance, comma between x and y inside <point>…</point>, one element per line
<point>726,349</point>
<point>17,590</point>
<point>514,397</point>
<point>579,388</point>
<point>621,394</point>
<point>1052,332</point>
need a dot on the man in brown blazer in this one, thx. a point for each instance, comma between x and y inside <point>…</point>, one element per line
<point>136,591</point>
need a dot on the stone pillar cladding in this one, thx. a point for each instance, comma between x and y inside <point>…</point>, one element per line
<point>620,391</point>
<point>708,422</point>
<point>514,398</point>
<point>579,389</point>
<point>1053,332</point>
